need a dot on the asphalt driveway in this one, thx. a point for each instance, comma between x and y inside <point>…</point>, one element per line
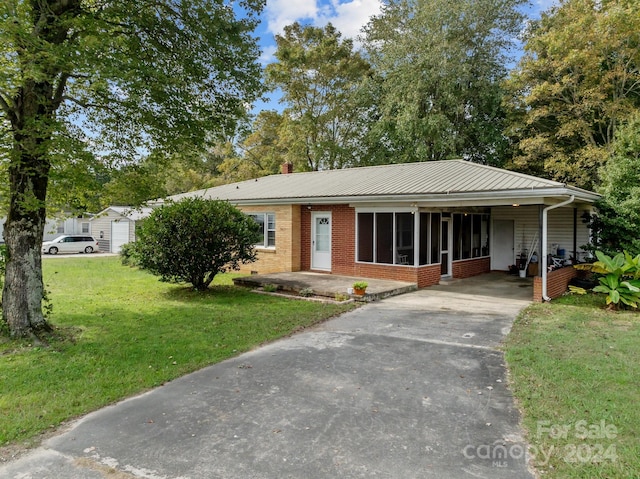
<point>409,387</point>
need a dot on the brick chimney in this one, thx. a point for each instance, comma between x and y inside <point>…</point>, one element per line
<point>287,168</point>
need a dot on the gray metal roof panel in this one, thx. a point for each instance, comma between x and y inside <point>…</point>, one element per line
<point>404,179</point>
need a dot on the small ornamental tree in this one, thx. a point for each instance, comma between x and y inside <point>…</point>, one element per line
<point>194,239</point>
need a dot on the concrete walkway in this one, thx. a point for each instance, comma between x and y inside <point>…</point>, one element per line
<point>409,387</point>
<point>326,284</point>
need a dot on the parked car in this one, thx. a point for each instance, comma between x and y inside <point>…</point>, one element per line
<point>70,244</point>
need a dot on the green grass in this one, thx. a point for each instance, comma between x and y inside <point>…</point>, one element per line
<point>576,365</point>
<point>120,332</point>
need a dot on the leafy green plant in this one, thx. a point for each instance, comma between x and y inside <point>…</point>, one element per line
<point>270,288</point>
<point>360,285</point>
<point>619,278</point>
<point>306,292</point>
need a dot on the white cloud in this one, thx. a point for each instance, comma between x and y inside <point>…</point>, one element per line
<point>348,17</point>
<point>280,13</point>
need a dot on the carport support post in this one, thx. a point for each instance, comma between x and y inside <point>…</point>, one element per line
<point>545,235</point>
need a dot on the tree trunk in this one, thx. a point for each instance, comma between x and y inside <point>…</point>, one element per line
<point>28,180</point>
<point>23,287</point>
<point>31,113</point>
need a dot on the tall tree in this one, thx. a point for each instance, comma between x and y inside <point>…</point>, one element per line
<point>318,73</point>
<point>261,151</point>
<point>119,78</point>
<point>578,80</point>
<point>439,64</point>
<point>617,223</point>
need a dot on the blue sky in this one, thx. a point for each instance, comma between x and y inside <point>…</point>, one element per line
<point>348,16</point>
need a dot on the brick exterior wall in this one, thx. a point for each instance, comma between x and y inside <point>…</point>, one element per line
<point>471,267</point>
<point>557,283</point>
<point>293,248</point>
<point>286,255</point>
<point>343,237</point>
<point>428,275</point>
<point>343,250</point>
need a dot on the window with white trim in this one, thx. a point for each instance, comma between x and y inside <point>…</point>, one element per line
<point>267,229</point>
<point>85,227</point>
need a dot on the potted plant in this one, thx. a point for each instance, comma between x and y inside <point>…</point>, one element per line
<point>359,287</point>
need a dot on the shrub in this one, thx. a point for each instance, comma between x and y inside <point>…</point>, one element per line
<point>129,255</point>
<point>306,292</point>
<point>270,288</point>
<point>194,239</point>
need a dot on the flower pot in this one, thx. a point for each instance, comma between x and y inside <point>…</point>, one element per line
<point>359,291</point>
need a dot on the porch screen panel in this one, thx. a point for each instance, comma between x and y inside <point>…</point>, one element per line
<point>404,238</point>
<point>457,237</point>
<point>365,237</point>
<point>435,238</point>
<point>384,238</point>
<point>484,235</point>
<point>476,238</point>
<point>466,236</point>
<point>425,219</point>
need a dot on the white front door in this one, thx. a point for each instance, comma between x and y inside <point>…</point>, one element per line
<point>321,241</point>
<point>119,235</point>
<point>502,252</point>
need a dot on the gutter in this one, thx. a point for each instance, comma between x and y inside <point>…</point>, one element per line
<point>545,264</point>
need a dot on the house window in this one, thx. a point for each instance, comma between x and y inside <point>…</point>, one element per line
<point>60,228</point>
<point>266,228</point>
<point>386,238</point>
<point>85,227</point>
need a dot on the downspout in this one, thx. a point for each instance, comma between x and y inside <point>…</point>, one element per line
<point>545,263</point>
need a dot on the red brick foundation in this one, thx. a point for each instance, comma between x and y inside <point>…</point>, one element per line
<point>557,283</point>
<point>471,267</point>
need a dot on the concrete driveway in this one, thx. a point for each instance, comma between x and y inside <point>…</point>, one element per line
<point>409,387</point>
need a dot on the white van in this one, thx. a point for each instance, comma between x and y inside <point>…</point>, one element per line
<point>70,244</point>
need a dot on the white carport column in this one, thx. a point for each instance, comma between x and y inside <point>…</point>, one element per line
<point>545,263</point>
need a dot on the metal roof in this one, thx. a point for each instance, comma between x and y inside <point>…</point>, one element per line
<point>130,212</point>
<point>424,179</point>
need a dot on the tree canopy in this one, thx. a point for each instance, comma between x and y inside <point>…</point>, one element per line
<point>438,66</point>
<point>116,79</point>
<point>617,224</point>
<point>319,74</point>
<point>578,81</point>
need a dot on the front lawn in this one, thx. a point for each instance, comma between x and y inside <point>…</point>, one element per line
<point>120,332</point>
<point>575,371</point>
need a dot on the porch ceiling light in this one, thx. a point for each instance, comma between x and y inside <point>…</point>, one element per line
<point>516,205</point>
